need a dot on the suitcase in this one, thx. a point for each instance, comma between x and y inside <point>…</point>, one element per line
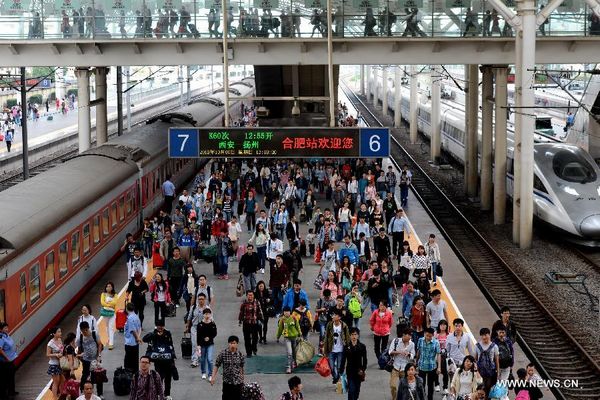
<point>121,319</point>
<point>122,379</point>
<point>171,310</point>
<point>186,346</point>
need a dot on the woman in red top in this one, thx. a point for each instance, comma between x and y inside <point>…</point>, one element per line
<point>418,318</point>
<point>381,322</point>
<point>332,284</point>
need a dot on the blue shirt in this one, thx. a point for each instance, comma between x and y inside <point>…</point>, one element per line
<point>133,324</point>
<point>349,251</point>
<point>427,354</point>
<point>168,188</point>
<point>186,241</point>
<point>398,225</point>
<point>8,346</point>
<point>407,302</point>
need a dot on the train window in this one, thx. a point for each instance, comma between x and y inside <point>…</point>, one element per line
<point>105,223</point>
<point>34,283</point>
<point>62,259</point>
<point>121,208</point>
<point>128,203</point>
<point>571,166</point>
<point>96,229</point>
<point>2,305</point>
<point>75,248</point>
<point>86,239</point>
<point>49,270</point>
<point>113,214</point>
<point>538,184</point>
<point>23,292</point>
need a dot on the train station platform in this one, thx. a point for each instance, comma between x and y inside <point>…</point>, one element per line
<point>460,293</point>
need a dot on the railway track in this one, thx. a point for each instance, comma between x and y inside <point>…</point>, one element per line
<point>44,164</point>
<point>545,340</point>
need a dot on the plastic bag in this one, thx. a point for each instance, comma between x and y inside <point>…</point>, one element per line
<point>322,367</point>
<point>304,352</point>
<point>498,391</point>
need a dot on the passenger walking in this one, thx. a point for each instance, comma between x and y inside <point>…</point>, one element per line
<point>436,309</point>
<point>488,362</point>
<point>168,189</point>
<point>260,238</point>
<point>159,293</point>
<point>248,318</point>
<point>402,351</point>
<point>224,251</point>
<point>146,384</point>
<point>354,363</point>
<point>411,386</point>
<point>337,335</point>
<point>295,393</point>
<point>8,354</point>
<point>289,327</point>
<point>506,323</point>
<point>429,359</point>
<point>206,332</point>
<point>466,379</point>
<point>432,249</point>
<point>176,267</point>
<point>8,138</point>
<point>162,354</point>
<point>137,263</point>
<point>405,180</point>
<point>86,315</point>
<point>248,266</point>
<point>192,319</point>
<point>263,296</point>
<point>506,354</point>
<point>108,301</point>
<point>233,362</point>
<point>441,334</point>
<point>381,323</point>
<point>459,343</point>
<point>292,297</point>
<point>88,392</point>
<point>54,351</point>
<point>188,287</point>
<point>132,339</point>
<point>90,350</point>
<point>136,293</point>
<point>421,262</point>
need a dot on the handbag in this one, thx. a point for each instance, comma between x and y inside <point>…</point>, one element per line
<point>174,372</point>
<point>319,280</point>
<point>66,366</point>
<point>71,388</point>
<point>99,375</point>
<point>362,376</point>
<point>270,311</point>
<point>239,291</point>
<point>439,271</point>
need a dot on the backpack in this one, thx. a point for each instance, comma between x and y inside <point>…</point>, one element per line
<point>505,356</point>
<point>354,307</point>
<point>386,361</point>
<point>304,321</point>
<point>485,363</point>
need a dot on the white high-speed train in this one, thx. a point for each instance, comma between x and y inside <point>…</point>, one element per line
<point>566,180</point>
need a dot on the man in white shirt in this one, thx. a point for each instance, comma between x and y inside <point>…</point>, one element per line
<point>274,249</point>
<point>353,190</point>
<point>137,264</point>
<point>88,392</point>
<point>459,343</point>
<point>402,350</point>
<point>436,309</point>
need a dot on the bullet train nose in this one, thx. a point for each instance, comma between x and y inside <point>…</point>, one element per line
<point>590,226</point>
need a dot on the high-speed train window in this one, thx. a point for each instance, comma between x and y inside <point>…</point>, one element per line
<point>573,167</point>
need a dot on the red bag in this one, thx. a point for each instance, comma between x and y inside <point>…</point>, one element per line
<point>71,388</point>
<point>318,255</point>
<point>121,319</point>
<point>322,367</point>
<point>157,261</point>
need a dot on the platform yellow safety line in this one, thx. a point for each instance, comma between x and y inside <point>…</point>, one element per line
<point>452,309</point>
<point>46,393</point>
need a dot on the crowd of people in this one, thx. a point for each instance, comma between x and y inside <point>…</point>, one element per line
<point>368,279</point>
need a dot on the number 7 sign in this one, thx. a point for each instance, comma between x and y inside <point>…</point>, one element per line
<point>184,143</point>
<point>374,142</point>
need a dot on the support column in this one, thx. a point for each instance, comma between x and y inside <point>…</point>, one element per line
<point>487,113</point>
<point>332,94</point>
<point>375,89</point>
<point>59,83</point>
<point>472,124</point>
<point>384,85</point>
<point>83,108</point>
<point>368,79</point>
<point>362,79</point>
<point>189,85</point>
<point>436,133</point>
<point>413,104</point>
<point>398,97</point>
<point>526,8</point>
<point>500,146</point>
<point>516,184</point>
<point>225,64</point>
<point>101,117</point>
<point>180,80</point>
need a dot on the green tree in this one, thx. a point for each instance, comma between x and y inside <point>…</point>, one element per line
<point>38,72</point>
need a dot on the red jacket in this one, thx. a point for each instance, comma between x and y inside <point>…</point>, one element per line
<point>381,325</point>
<point>154,293</point>
<point>218,227</point>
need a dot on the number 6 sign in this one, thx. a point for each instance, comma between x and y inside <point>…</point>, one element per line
<point>374,142</point>
<point>183,143</point>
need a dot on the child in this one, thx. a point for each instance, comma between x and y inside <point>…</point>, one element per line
<point>289,327</point>
<point>295,393</point>
<point>304,317</point>
<point>310,239</point>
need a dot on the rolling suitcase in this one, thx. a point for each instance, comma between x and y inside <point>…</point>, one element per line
<point>122,379</point>
<point>121,319</point>
<point>186,346</point>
